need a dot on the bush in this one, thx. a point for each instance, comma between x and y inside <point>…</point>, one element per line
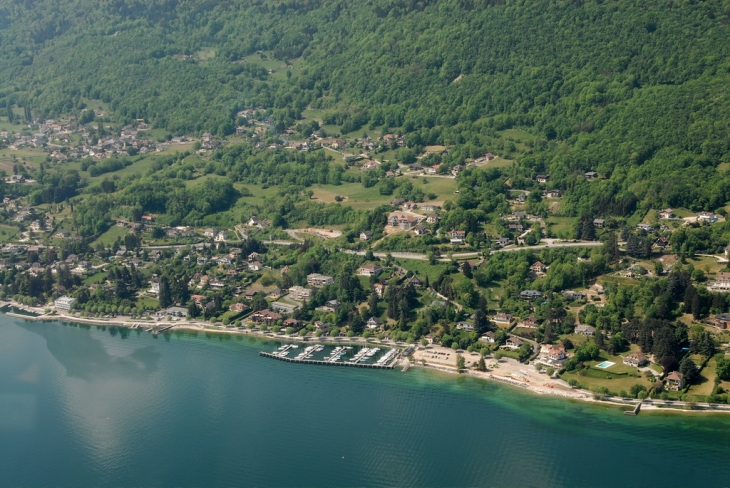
<point>275,329</point>
<point>317,333</point>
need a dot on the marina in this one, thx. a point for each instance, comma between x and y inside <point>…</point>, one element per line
<point>365,357</point>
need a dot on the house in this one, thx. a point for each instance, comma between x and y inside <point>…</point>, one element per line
<point>635,359</point>
<point>300,293</point>
<point>488,337</point>
<point>420,230</point>
<point>531,322</point>
<point>409,205</point>
<point>318,281</point>
<point>519,215</point>
<point>468,266</point>
<point>556,352</point>
<point>198,298</point>
<point>154,285</point>
<point>583,329</point>
<point>397,202</point>
<point>253,221</point>
<point>64,303</point>
<point>552,194</point>
<point>542,178</point>
<point>373,323</point>
<point>366,235</point>
<point>722,320</point>
<point>265,316</point>
<point>254,256</point>
<point>406,222</point>
<point>530,294</point>
<point>201,260</point>
<point>330,306</point>
<point>538,267</point>
<point>216,283</point>
<point>457,169</point>
<point>238,307</point>
<point>503,318</point>
<point>458,236</point>
<point>675,381</point>
<point>646,228</point>
<point>706,217</point>
<point>63,235</point>
<point>255,266</point>
<point>598,223</point>
<point>504,241</point>
<point>661,242</point>
<point>667,213</point>
<point>722,281</point>
<point>433,218</point>
<point>591,175</point>
<point>515,228</point>
<point>221,236</point>
<point>369,270</point>
<point>465,325</point>
<point>571,295</point>
<point>513,342</point>
<point>415,282</point>
<point>276,293</point>
<point>209,232</point>
<point>380,289</point>
<point>339,144</point>
<point>429,207</point>
<point>292,323</point>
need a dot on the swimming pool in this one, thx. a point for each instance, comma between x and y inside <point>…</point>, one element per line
<point>605,364</point>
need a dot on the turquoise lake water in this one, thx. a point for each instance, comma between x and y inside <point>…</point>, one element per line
<point>84,406</point>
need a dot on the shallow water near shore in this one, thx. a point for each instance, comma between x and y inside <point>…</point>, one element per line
<point>86,405</point>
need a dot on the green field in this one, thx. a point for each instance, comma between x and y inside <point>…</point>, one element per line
<point>111,235</point>
<point>561,226</point>
<point>360,197</point>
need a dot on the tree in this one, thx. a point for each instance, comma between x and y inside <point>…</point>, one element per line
<point>588,230</point>
<point>164,295</point>
<point>688,368</point>
<point>357,324</point>
<point>460,362</point>
<point>481,365</point>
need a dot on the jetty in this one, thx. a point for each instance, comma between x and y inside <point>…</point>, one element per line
<point>635,411</point>
<point>328,362</point>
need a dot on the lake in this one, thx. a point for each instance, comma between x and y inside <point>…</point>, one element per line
<point>84,406</point>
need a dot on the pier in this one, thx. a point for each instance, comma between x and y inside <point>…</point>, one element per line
<point>328,363</point>
<point>635,411</point>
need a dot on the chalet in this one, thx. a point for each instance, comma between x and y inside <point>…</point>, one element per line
<point>538,267</point>
<point>238,307</point>
<point>583,329</point>
<point>722,281</point>
<point>503,318</point>
<point>489,156</point>
<point>209,232</point>
<point>433,218</point>
<point>598,223</point>
<point>406,222</point>
<point>318,281</point>
<point>635,359</point>
<point>265,316</point>
<point>221,236</point>
<point>530,294</point>
<point>722,320</point>
<point>369,270</point>
<point>292,323</point>
<point>457,169</point>
<point>530,322</point>
<point>519,215</point>
<point>330,306</point>
<point>661,242</point>
<point>373,323</point>
<point>488,337</point>
<point>155,255</point>
<point>552,194</point>
<point>216,283</point>
<point>458,236</point>
<point>380,289</point>
<point>253,221</point>
<point>201,260</point>
<point>675,381</point>
<point>366,235</point>
<point>414,281</point>
<point>176,311</point>
<point>409,205</point>
<point>429,207</point>
<point>339,144</point>
<point>198,298</point>
<point>63,234</point>
<point>255,266</point>
<point>591,175</point>
<point>556,352</point>
<point>646,228</point>
<point>667,213</point>
<point>542,178</point>
<point>515,228</point>
<point>254,256</point>
<point>513,342</point>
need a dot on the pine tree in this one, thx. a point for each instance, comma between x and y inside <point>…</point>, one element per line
<point>164,294</point>
<point>588,232</point>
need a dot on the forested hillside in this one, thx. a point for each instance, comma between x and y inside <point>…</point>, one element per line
<point>637,91</point>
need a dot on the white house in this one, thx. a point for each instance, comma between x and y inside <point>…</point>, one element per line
<point>64,303</point>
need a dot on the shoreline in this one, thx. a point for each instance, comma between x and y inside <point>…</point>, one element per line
<point>561,391</point>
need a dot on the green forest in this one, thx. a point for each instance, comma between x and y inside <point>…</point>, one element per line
<point>635,91</point>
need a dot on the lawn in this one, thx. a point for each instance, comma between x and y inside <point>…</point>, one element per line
<point>7,233</point>
<point>422,268</point>
<point>111,235</point>
<point>706,381</point>
<point>359,197</point>
<point>95,278</point>
<point>561,226</point>
<point>614,378</point>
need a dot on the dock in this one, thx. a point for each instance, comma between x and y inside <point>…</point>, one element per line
<point>327,363</point>
<point>162,329</point>
<point>635,411</point>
